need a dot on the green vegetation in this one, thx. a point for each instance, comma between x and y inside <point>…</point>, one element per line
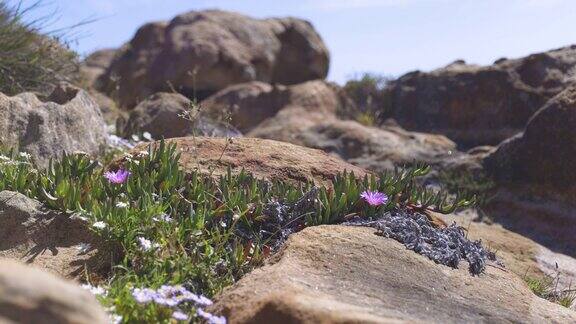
<point>479,184</point>
<point>31,60</point>
<point>372,102</point>
<point>547,287</point>
<point>184,229</point>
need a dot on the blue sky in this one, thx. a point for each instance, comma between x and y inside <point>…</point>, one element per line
<point>383,36</point>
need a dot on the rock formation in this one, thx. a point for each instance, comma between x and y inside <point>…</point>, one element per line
<point>536,171</point>
<point>199,53</point>
<point>68,120</point>
<point>479,105</point>
<point>340,274</point>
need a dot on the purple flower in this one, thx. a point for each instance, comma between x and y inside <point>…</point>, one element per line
<point>201,300</point>
<point>167,290</point>
<point>210,318</point>
<point>169,296</point>
<point>119,176</point>
<point>143,295</point>
<point>180,316</point>
<point>374,198</point>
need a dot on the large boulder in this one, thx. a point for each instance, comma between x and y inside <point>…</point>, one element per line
<point>546,151</point>
<point>306,115</point>
<point>201,52</point>
<point>95,64</point>
<point>108,107</point>
<point>52,241</point>
<point>161,115</point>
<point>69,120</point>
<point>265,159</point>
<point>289,123</point>
<point>28,295</point>
<point>168,115</point>
<point>344,274</point>
<point>376,149</point>
<point>536,171</point>
<point>247,105</point>
<point>479,105</point>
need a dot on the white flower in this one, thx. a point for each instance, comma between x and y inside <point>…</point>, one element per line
<point>79,216</point>
<point>111,129</point>
<point>235,217</point>
<point>115,318</point>
<point>84,247</point>
<point>162,218</point>
<point>121,204</point>
<point>99,225</point>
<point>97,291</point>
<point>128,157</point>
<point>135,138</point>
<point>4,158</point>
<point>147,136</point>
<point>147,245</point>
<point>118,142</point>
<point>223,224</point>
<point>25,155</point>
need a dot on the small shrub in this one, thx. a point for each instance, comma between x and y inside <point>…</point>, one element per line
<point>366,119</point>
<point>31,60</point>
<point>547,287</point>
<point>372,101</point>
<point>478,185</point>
<point>541,287</point>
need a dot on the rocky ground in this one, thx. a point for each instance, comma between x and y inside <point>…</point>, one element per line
<point>233,97</point>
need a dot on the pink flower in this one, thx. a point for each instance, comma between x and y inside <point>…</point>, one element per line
<point>117,177</point>
<point>374,198</point>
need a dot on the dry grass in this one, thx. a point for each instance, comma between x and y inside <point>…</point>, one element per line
<point>31,60</point>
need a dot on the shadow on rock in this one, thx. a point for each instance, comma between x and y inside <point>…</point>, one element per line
<point>54,241</point>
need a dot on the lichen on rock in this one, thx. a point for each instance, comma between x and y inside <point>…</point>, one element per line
<point>444,245</point>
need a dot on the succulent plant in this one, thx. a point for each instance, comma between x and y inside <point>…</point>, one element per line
<point>189,229</point>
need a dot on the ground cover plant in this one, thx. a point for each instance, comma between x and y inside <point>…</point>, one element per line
<point>185,236</point>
